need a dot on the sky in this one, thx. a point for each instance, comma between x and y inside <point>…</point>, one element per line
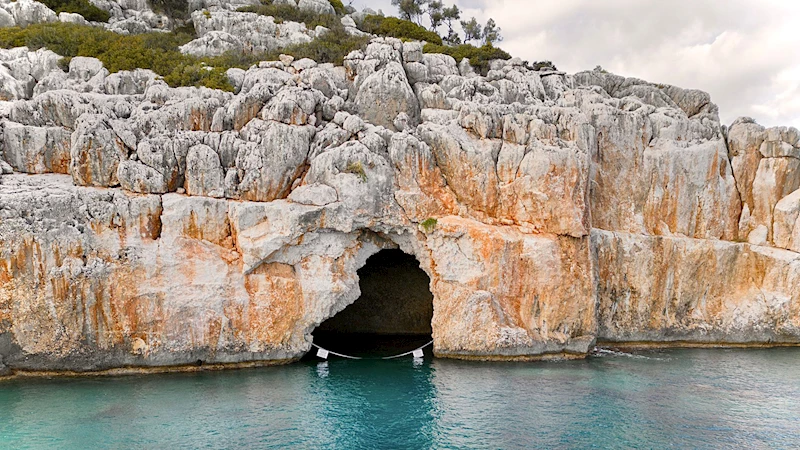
<point>746,54</point>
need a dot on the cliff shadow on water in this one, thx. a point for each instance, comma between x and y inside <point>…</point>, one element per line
<point>393,314</point>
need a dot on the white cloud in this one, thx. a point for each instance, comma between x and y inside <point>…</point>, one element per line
<point>746,54</point>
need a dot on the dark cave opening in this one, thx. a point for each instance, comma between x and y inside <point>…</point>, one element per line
<point>393,314</point>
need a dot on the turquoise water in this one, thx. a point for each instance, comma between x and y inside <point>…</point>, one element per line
<point>677,398</point>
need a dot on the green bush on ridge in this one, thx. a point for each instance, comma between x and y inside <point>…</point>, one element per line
<point>398,28</point>
<point>479,57</point>
<point>83,7</point>
<point>331,47</point>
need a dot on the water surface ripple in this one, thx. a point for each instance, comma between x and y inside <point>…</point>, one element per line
<point>676,398</point>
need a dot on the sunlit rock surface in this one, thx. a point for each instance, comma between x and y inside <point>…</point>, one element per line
<point>655,289</point>
<point>145,225</point>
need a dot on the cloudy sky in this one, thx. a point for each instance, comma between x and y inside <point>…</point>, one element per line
<point>746,53</point>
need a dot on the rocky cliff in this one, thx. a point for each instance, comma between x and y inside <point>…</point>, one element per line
<point>143,225</point>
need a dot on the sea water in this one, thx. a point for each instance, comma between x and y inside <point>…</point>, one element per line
<point>654,399</point>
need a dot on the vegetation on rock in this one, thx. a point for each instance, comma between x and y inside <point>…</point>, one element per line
<point>155,51</point>
<point>429,224</point>
<point>83,7</point>
<point>338,6</point>
<point>479,57</point>
<point>287,13</point>
<point>356,168</point>
<point>398,28</point>
<point>541,65</point>
<point>174,9</point>
<point>331,47</point>
<point>160,52</point>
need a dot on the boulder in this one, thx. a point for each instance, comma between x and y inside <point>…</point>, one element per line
<point>95,152</point>
<point>213,43</point>
<point>204,174</point>
<point>36,149</point>
<point>268,169</point>
<point>385,94</point>
<point>29,12</point>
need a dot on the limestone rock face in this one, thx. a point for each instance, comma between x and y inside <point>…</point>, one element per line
<point>36,149</point>
<point>27,12</point>
<point>213,43</point>
<point>385,94</point>
<point>204,175</point>
<point>221,30</point>
<point>271,166</point>
<point>659,171</point>
<point>786,223</point>
<point>767,168</point>
<point>96,152</point>
<point>663,289</point>
<point>143,225</point>
<point>479,311</point>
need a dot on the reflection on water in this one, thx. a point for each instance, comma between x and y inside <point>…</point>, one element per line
<point>682,398</point>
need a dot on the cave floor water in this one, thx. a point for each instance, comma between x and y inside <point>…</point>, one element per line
<point>698,398</point>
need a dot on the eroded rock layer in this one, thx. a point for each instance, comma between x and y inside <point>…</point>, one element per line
<point>143,225</point>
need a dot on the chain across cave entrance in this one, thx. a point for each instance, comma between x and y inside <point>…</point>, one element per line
<point>393,314</point>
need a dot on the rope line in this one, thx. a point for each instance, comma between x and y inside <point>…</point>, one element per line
<point>334,353</point>
<point>385,357</point>
<point>407,353</point>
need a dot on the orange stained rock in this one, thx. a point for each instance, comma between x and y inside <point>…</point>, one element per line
<point>275,305</point>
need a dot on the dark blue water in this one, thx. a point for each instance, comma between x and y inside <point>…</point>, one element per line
<point>677,398</point>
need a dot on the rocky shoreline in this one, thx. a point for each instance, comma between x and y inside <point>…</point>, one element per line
<point>145,226</point>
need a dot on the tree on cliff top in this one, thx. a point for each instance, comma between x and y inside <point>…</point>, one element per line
<point>435,14</point>
<point>491,33</point>
<point>410,9</point>
<point>450,15</point>
<point>473,31</point>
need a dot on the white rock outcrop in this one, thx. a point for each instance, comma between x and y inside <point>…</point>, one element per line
<point>148,226</point>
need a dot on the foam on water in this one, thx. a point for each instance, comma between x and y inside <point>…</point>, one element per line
<point>607,352</point>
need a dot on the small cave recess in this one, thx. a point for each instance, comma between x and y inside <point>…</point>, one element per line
<point>392,316</point>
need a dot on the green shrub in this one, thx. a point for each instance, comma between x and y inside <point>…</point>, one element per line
<point>283,13</point>
<point>542,65</point>
<point>429,224</point>
<point>199,74</point>
<point>479,57</point>
<point>331,47</point>
<point>83,7</point>
<point>399,28</point>
<point>338,6</point>
<point>186,29</point>
<point>357,169</point>
<point>155,51</point>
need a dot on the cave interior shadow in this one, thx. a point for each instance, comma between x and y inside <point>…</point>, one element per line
<point>392,316</point>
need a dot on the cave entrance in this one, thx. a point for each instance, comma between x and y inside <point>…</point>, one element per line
<point>393,314</point>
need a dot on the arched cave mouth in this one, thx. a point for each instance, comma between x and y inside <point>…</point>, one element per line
<point>392,316</point>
